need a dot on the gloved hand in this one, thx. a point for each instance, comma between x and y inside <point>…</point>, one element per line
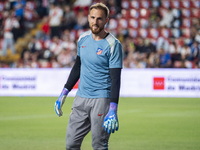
<point>110,120</point>
<point>59,103</point>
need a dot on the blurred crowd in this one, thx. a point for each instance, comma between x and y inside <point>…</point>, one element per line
<point>54,44</point>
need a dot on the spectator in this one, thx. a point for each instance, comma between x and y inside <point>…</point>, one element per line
<point>55,19</point>
<point>141,47</point>
<point>195,53</point>
<point>112,7</point>
<point>167,19</point>
<point>118,6</point>
<point>64,58</point>
<point>197,37</point>
<point>197,23</point>
<point>162,43</point>
<point>185,55</point>
<point>9,24</point>
<point>137,61</point>
<point>34,61</point>
<point>19,6</point>
<point>128,47</point>
<point>34,45</point>
<point>153,60</point>
<point>54,63</point>
<point>42,7</point>
<point>67,34</point>
<point>82,21</point>
<point>193,32</point>
<point>69,19</point>
<point>11,4</point>
<point>45,30</point>
<point>150,46</point>
<point>55,46</point>
<point>176,58</point>
<point>26,59</point>
<point>173,48</point>
<point>68,44</point>
<point>155,17</point>
<point>164,59</point>
<point>143,51</point>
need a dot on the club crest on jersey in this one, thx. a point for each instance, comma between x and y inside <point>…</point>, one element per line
<point>99,51</point>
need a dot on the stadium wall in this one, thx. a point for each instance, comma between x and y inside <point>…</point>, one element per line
<point>135,82</point>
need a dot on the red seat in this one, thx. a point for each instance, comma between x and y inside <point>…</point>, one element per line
<point>125,4</point>
<point>133,33</point>
<point>135,4</point>
<point>195,13</point>
<point>133,23</point>
<point>145,4</point>
<point>186,32</point>
<point>113,24</point>
<point>165,3</point>
<point>123,23</point>
<point>179,41</point>
<point>134,13</point>
<point>144,33</point>
<point>185,4</point>
<point>186,13</point>
<point>186,23</point>
<point>195,4</point>
<point>155,3</point>
<point>143,23</point>
<point>166,33</point>
<point>175,4</point>
<point>176,33</point>
<point>125,13</point>
<point>144,13</point>
<point>154,33</point>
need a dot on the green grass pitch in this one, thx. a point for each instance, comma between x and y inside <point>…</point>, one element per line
<point>30,123</point>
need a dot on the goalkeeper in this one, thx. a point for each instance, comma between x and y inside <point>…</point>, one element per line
<point>98,66</point>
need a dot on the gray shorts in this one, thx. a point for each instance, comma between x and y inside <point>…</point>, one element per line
<point>87,114</point>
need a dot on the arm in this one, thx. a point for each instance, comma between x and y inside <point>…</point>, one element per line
<point>115,74</point>
<point>111,120</point>
<point>73,78</point>
<point>74,74</point>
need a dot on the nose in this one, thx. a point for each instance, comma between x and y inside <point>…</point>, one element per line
<point>95,21</point>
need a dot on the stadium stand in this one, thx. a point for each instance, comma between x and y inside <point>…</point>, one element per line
<point>153,33</point>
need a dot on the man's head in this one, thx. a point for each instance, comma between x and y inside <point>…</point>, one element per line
<point>98,17</point>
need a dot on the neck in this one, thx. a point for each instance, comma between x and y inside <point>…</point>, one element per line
<point>101,35</point>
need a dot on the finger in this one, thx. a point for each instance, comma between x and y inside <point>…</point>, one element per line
<point>109,127</point>
<point>60,112</point>
<point>106,125</point>
<point>117,125</point>
<point>56,109</point>
<point>58,104</point>
<point>113,126</point>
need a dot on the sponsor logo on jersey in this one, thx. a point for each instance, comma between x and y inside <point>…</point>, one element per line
<point>158,83</point>
<point>99,51</point>
<point>83,46</point>
<point>100,114</point>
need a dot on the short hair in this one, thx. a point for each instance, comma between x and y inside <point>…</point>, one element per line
<point>102,7</point>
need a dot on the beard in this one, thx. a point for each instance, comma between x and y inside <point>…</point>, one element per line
<point>96,31</point>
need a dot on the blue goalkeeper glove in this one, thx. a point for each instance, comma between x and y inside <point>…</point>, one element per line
<point>59,103</point>
<point>110,120</point>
